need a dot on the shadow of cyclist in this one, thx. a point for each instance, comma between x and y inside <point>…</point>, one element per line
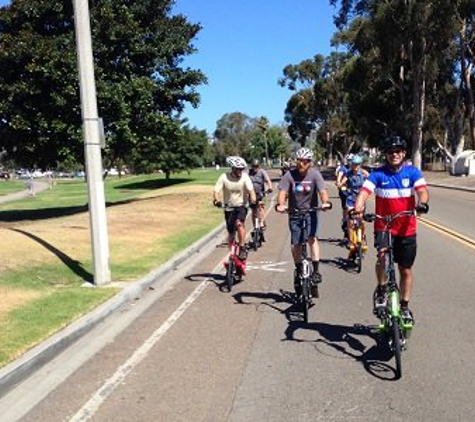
<point>345,340</point>
<point>269,299</point>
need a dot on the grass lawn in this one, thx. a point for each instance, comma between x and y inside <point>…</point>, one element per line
<point>47,256</point>
<point>10,186</point>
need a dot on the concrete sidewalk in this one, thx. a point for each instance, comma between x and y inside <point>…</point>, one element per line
<point>37,186</point>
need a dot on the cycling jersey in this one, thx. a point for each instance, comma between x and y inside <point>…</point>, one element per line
<point>395,192</point>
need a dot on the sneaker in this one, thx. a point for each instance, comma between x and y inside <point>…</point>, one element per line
<point>407,316</point>
<point>242,255</point>
<point>315,280</point>
<point>380,301</point>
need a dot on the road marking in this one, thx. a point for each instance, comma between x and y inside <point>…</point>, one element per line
<point>92,406</point>
<point>450,233</point>
<point>95,402</point>
<point>266,266</point>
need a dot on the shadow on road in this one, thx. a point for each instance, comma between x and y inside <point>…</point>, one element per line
<point>344,340</point>
<point>340,338</point>
<point>73,264</point>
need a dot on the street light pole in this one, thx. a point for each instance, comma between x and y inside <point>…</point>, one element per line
<point>92,147</point>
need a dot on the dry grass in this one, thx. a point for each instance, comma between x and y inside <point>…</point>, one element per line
<point>10,298</point>
<point>135,230</point>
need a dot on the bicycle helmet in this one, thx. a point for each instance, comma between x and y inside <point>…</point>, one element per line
<point>304,154</point>
<point>256,163</point>
<point>357,160</point>
<point>236,162</point>
<point>393,142</point>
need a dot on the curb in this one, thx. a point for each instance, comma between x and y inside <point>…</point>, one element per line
<point>462,188</point>
<point>20,369</point>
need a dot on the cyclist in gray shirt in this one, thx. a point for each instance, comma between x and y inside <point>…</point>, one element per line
<point>302,187</point>
<point>262,185</point>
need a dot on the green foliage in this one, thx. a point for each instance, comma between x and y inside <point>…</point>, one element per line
<point>141,86</point>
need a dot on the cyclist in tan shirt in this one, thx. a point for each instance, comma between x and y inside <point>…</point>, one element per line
<point>235,187</point>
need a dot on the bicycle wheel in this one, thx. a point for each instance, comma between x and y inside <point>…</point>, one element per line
<point>255,239</point>
<point>230,274</point>
<point>358,257</point>
<point>397,346</point>
<point>305,298</point>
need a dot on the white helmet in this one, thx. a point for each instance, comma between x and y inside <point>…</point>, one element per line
<point>304,153</point>
<point>236,162</point>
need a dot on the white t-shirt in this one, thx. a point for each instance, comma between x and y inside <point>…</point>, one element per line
<point>235,191</point>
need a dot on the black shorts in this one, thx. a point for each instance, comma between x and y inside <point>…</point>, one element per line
<point>404,248</point>
<point>342,196</point>
<point>232,216</point>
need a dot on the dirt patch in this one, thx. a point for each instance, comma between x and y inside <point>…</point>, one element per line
<point>134,229</point>
<point>12,298</point>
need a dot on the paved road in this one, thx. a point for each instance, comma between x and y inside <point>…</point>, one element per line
<point>197,353</point>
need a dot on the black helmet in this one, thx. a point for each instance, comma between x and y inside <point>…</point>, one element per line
<point>256,163</point>
<point>393,142</point>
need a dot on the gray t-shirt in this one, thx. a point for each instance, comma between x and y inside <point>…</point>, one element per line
<point>302,190</point>
<point>259,179</point>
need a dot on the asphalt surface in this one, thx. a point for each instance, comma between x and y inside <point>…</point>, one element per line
<point>248,356</point>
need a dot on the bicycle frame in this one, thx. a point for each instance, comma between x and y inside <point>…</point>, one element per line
<point>392,323</point>
<point>304,279</point>
<point>235,267</point>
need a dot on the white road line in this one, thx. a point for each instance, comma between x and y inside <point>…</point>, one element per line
<point>95,402</point>
<point>92,406</point>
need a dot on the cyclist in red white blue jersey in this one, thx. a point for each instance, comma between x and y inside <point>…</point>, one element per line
<point>398,187</point>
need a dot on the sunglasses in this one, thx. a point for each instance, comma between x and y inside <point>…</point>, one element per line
<point>394,151</point>
<point>304,161</point>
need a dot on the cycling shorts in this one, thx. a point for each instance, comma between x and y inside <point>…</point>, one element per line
<point>404,248</point>
<point>297,234</point>
<point>232,216</point>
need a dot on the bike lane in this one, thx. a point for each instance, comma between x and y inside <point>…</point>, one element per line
<point>248,356</point>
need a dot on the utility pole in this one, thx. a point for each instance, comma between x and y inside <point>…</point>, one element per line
<point>92,147</point>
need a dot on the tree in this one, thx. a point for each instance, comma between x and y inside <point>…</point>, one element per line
<point>233,135</point>
<point>400,42</point>
<point>321,102</point>
<point>142,88</point>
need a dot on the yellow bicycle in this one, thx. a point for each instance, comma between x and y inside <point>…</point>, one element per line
<point>357,241</point>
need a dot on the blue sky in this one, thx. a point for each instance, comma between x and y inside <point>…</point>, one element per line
<point>244,46</point>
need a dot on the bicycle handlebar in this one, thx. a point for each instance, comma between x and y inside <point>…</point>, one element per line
<point>220,204</point>
<point>388,219</point>
<point>324,207</point>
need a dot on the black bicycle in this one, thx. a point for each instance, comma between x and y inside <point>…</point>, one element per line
<point>392,324</point>
<point>235,267</point>
<point>257,235</point>
<point>304,279</point>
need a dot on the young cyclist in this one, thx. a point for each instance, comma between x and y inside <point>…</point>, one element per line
<point>262,184</point>
<point>340,173</point>
<point>302,187</point>
<point>235,187</point>
<point>353,180</point>
<point>398,187</point>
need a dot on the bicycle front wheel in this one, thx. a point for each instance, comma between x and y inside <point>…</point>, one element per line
<point>305,299</point>
<point>230,274</point>
<point>359,257</point>
<point>255,239</point>
<point>397,346</point>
